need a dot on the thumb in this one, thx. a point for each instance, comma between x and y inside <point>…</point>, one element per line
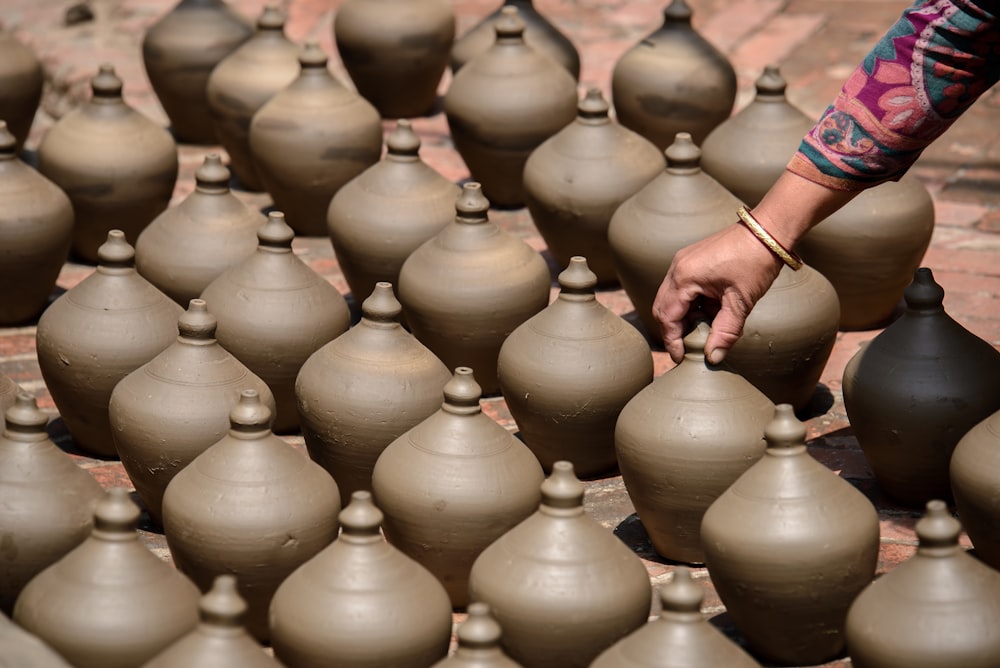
<point>727,327</point>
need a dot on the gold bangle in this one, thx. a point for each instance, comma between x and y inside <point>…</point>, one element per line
<point>783,254</point>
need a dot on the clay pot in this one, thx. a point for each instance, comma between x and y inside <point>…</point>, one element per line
<point>382,215</point>
<point>680,637</point>
<point>973,470</point>
<point>48,506</point>
<point>915,390</point>
<point>94,335</point>
<point>677,208</point>
<point>673,81</point>
<point>395,51</point>
<point>187,246</point>
<point>503,105</point>
<point>870,248</point>
<point>790,608</point>
<point>749,151</point>
<point>219,641</point>
<point>243,81</point>
<point>310,139</point>
<point>681,443</point>
<point>116,165</point>
<point>110,603</point>
<point>951,599</point>
<point>562,587</point>
<point>251,506</point>
<point>36,225</point>
<point>783,355</point>
<point>360,392</point>
<point>567,372</point>
<point>577,178</point>
<point>539,34</point>
<point>171,409</point>
<point>478,642</point>
<point>23,650</point>
<point>333,609</point>
<point>453,484</point>
<point>180,51</point>
<point>21,79</point>
<point>8,392</point>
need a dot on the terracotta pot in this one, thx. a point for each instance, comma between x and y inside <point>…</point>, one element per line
<point>973,472</point>
<point>503,105</point>
<point>24,650</point>
<point>577,178</point>
<point>453,484</point>
<point>334,608</point>
<point>243,81</point>
<point>673,81</point>
<point>110,603</point>
<point>567,372</point>
<point>21,79</point>
<point>395,51</point>
<point>466,289</point>
<point>94,335</point>
<point>173,408</point>
<point>681,443</point>
<point>562,587</point>
<point>36,226</point>
<point>382,215</point>
<point>360,392</point>
<point>915,390</point>
<point>187,246</point>
<point>478,642</point>
<point>116,165</point>
<point>180,51</point>
<point>791,609</point>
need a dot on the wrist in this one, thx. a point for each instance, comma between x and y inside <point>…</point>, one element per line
<point>765,238</point>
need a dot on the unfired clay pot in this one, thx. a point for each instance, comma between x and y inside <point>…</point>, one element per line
<point>673,81</point>
<point>116,165</point>
<point>395,51</point>
<point>681,443</point>
<point>110,603</point>
<point>251,506</point>
<point>383,214</point>
<point>187,246</point>
<point>180,51</point>
<point>8,391</point>
<point>478,642</point>
<point>939,608</point>
<point>562,587</point>
<point>466,289</point>
<point>23,650</point>
<point>171,409</point>
<point>974,466</point>
<point>36,226</point>
<point>453,484</point>
<point>94,335</point>
<point>915,390</point>
<point>243,81</point>
<point>788,546</point>
<point>334,609</point>
<point>274,311</point>
<point>48,501</point>
<point>21,79</point>
<point>503,105</point>
<point>567,372</point>
<point>364,389</point>
<point>577,178</point>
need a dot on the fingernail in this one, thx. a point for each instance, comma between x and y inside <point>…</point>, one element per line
<point>715,356</point>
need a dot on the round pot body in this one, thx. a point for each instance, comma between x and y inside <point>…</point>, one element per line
<point>180,51</point>
<point>567,372</point>
<point>36,227</point>
<point>478,642</point>
<point>870,248</point>
<point>363,390</point>
<point>681,443</point>
<point>385,213</point>
<point>395,51</point>
<point>576,179</point>
<point>503,105</point>
<point>94,335</point>
<point>21,79</point>
<point>915,390</point>
<point>116,165</point>
<point>8,392</point>
<point>24,650</point>
<point>673,81</point>
<point>789,546</point>
<point>453,484</point>
<point>973,474</point>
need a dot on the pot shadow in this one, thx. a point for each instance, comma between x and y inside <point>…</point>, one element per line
<point>631,532</point>
<point>724,623</point>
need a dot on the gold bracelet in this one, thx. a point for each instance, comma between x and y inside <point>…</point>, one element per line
<point>785,255</point>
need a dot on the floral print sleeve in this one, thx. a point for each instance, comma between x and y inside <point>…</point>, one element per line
<point>932,64</point>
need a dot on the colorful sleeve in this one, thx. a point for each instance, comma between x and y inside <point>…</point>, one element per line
<point>932,64</point>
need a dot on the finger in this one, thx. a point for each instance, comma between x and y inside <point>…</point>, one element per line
<point>727,326</point>
<point>670,309</point>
